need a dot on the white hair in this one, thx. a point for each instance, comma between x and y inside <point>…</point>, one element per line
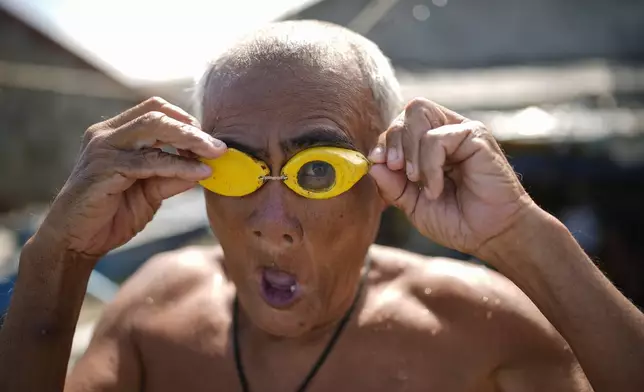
<point>316,38</point>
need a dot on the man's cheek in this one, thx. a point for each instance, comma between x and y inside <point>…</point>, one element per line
<point>226,215</point>
<point>335,218</point>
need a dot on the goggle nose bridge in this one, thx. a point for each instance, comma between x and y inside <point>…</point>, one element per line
<point>274,178</point>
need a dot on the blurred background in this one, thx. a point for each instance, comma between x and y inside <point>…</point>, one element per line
<point>561,85</point>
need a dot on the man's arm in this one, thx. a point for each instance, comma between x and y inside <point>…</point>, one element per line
<point>604,329</point>
<point>48,297</point>
<point>114,190</point>
<point>36,338</point>
<point>450,177</point>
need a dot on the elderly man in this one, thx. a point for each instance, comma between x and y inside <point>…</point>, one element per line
<point>297,297</point>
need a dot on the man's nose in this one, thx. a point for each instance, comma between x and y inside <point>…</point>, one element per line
<point>271,224</point>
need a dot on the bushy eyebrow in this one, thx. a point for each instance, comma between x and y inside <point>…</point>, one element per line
<point>327,137</point>
<point>257,153</point>
<point>319,137</point>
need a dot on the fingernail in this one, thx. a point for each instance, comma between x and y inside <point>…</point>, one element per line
<point>409,168</point>
<point>377,154</point>
<point>216,142</point>
<point>204,169</point>
<point>392,154</point>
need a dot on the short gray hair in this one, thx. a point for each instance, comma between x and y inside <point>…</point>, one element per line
<point>374,65</point>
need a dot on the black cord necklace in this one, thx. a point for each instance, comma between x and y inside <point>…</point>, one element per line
<point>327,350</point>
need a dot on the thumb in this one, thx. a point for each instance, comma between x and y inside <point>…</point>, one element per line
<point>395,188</point>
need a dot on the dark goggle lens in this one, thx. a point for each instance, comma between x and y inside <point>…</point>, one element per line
<point>316,176</point>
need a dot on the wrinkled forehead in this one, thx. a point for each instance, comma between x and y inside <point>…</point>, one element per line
<point>282,98</point>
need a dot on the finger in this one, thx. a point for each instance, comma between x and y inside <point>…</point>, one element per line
<point>186,153</point>
<point>154,128</point>
<point>395,188</point>
<point>435,113</point>
<point>389,147</point>
<point>150,163</point>
<point>154,104</point>
<point>448,116</point>
<point>420,116</point>
<point>378,154</point>
<point>448,144</point>
<point>395,154</point>
<point>163,188</point>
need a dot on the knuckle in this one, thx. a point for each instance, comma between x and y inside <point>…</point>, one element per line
<point>153,117</point>
<point>480,131</point>
<point>416,105</point>
<point>478,127</point>
<point>93,141</point>
<point>91,133</point>
<point>155,102</point>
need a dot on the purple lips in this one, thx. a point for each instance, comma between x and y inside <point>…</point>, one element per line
<point>279,289</point>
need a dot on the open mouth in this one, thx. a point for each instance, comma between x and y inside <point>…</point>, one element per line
<point>278,288</point>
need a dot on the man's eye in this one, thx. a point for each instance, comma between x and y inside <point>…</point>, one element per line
<point>316,176</point>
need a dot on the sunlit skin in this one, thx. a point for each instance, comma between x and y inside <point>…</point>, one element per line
<point>420,324</point>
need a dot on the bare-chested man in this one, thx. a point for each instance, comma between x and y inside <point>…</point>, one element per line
<point>297,297</point>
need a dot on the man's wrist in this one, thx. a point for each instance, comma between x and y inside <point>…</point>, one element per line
<point>527,244</point>
<point>43,250</point>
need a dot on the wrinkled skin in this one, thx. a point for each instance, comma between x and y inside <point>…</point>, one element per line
<point>278,227</point>
<point>421,324</point>
<point>448,174</point>
<point>121,177</point>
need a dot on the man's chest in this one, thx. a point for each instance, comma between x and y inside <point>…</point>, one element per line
<point>362,364</point>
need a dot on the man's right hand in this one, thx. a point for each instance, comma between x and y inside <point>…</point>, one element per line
<point>122,176</point>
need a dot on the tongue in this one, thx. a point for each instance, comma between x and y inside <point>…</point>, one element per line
<point>279,279</point>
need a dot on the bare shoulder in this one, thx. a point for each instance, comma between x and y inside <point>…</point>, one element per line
<point>480,306</point>
<point>179,296</point>
<point>165,281</point>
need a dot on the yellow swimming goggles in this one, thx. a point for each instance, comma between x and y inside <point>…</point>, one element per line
<point>315,173</point>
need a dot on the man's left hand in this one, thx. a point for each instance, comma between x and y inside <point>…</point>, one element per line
<point>449,175</point>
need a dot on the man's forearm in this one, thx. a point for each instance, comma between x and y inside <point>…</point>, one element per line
<point>36,338</point>
<point>605,331</point>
